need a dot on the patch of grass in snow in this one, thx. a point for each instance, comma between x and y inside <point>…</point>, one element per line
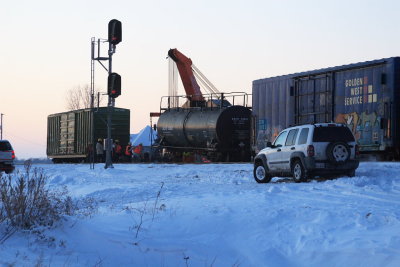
<point>25,200</point>
<point>26,203</point>
<point>144,210</point>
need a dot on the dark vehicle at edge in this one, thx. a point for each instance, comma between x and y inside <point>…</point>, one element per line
<point>7,156</point>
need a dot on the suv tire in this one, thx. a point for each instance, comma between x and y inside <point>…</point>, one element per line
<point>298,171</point>
<point>338,152</point>
<point>261,173</point>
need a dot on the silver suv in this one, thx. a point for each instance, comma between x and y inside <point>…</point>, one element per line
<point>7,157</point>
<point>307,151</point>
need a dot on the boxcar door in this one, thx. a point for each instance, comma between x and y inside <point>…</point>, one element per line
<point>313,98</point>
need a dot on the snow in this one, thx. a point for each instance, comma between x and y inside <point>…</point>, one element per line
<point>217,215</point>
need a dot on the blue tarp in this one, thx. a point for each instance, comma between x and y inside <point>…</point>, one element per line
<point>146,136</point>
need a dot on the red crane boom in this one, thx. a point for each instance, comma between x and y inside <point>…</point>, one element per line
<point>190,84</point>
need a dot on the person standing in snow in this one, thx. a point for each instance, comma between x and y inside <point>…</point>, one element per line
<point>117,151</point>
<point>128,152</point>
<point>99,151</point>
<point>137,153</point>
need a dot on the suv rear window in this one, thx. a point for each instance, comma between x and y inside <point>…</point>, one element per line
<point>4,146</point>
<point>332,134</point>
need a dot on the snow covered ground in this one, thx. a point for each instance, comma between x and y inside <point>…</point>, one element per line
<point>217,215</point>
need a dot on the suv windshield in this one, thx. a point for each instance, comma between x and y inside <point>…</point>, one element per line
<point>280,140</point>
<point>332,134</point>
<point>4,146</point>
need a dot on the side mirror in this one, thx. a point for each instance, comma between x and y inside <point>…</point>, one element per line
<point>269,144</point>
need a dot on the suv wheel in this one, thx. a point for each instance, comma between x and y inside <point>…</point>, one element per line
<point>338,152</point>
<point>260,173</point>
<point>298,171</point>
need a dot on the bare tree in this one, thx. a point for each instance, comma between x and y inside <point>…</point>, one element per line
<point>79,97</point>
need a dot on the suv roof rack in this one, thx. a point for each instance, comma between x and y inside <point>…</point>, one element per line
<point>323,124</point>
<point>316,124</point>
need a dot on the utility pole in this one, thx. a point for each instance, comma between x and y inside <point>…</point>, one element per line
<point>1,126</point>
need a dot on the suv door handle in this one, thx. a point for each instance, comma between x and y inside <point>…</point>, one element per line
<point>292,148</point>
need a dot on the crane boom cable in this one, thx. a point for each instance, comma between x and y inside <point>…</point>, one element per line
<point>172,83</point>
<point>202,77</point>
<point>204,82</point>
<point>205,85</point>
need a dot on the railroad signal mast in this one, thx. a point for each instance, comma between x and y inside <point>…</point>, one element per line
<point>113,81</point>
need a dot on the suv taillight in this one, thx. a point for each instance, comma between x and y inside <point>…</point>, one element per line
<point>12,154</point>
<point>310,151</point>
<point>357,150</point>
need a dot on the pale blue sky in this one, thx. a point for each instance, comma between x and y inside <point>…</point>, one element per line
<point>45,49</point>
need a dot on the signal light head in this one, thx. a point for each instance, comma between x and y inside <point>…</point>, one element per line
<point>114,31</point>
<point>114,85</point>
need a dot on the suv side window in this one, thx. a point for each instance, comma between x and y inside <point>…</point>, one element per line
<point>291,139</point>
<point>303,136</point>
<point>280,140</point>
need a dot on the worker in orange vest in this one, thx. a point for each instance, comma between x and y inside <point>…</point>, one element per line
<point>128,152</point>
<point>117,151</point>
<point>137,153</point>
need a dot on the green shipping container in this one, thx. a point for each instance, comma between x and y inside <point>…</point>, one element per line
<point>69,134</point>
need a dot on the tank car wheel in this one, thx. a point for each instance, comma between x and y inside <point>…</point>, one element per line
<point>261,174</point>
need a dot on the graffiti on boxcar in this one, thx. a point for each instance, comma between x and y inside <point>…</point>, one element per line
<point>350,119</point>
<point>370,119</point>
<point>362,125</point>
